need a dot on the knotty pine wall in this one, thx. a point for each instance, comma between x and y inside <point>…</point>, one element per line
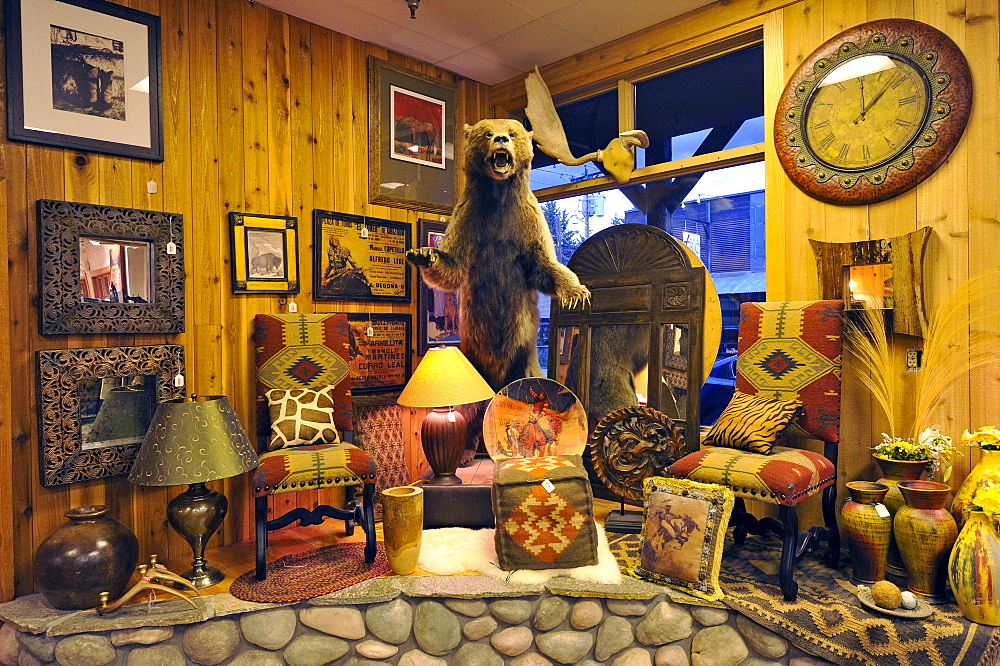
<point>263,113</point>
<point>960,201</point>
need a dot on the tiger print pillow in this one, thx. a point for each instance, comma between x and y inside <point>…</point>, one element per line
<point>752,423</point>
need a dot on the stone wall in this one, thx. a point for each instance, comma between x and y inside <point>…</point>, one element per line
<point>382,621</point>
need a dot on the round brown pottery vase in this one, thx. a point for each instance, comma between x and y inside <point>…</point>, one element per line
<point>925,532</point>
<point>894,471</point>
<point>974,570</point>
<point>867,529</point>
<point>989,462</point>
<point>403,524</point>
<point>90,554</point>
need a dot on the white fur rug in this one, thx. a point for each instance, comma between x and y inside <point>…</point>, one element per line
<point>455,550</point>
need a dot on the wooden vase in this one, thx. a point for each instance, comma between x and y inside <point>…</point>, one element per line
<point>894,471</point>
<point>867,527</point>
<point>402,524</point>
<point>989,462</point>
<point>925,532</point>
<point>974,570</point>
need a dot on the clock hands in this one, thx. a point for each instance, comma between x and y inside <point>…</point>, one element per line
<point>878,95</point>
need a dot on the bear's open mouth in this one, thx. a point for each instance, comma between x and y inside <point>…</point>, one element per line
<point>500,162</point>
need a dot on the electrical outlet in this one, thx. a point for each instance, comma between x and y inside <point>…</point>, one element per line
<point>914,359</point>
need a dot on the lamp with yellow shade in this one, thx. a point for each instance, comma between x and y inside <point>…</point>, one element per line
<point>443,379</point>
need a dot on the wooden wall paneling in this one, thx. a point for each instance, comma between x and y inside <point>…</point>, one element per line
<point>326,122</point>
<point>6,395</point>
<point>981,49</point>
<point>943,203</point>
<point>346,118</point>
<point>775,75</point>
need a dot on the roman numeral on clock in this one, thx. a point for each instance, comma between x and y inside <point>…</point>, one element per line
<point>827,140</point>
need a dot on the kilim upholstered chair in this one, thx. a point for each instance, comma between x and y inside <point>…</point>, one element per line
<point>788,353</point>
<point>302,361</point>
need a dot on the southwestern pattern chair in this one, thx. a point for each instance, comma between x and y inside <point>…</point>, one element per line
<point>789,358</point>
<point>303,362</point>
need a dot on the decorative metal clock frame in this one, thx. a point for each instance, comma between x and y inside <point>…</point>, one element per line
<point>948,88</point>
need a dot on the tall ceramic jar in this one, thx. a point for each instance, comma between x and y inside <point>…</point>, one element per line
<point>90,554</point>
<point>925,532</point>
<point>402,525</point>
<point>894,471</point>
<point>989,462</point>
<point>867,530</point>
<point>974,570</point>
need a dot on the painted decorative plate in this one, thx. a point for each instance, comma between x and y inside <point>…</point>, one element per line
<point>535,417</point>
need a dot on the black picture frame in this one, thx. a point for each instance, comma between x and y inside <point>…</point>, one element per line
<point>433,303</point>
<point>369,263</point>
<point>84,108</point>
<point>63,309</point>
<point>394,180</point>
<point>387,369</point>
<point>62,410</point>
<point>258,272</point>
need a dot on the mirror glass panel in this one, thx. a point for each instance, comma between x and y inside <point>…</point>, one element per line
<point>115,411</point>
<point>675,343</point>
<point>115,270</point>
<point>869,287</point>
<point>619,355</point>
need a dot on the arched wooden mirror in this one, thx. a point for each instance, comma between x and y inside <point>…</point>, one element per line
<point>650,332</point>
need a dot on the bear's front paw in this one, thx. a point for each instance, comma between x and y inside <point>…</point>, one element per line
<point>422,256</point>
<point>575,296</point>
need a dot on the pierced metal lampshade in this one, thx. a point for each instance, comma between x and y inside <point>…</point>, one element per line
<point>194,440</point>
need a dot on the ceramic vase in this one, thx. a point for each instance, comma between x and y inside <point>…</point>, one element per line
<point>989,462</point>
<point>974,570</point>
<point>867,528</point>
<point>90,554</point>
<point>894,471</point>
<point>403,524</point>
<point>925,533</point>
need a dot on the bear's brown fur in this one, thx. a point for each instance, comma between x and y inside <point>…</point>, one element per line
<point>497,253</point>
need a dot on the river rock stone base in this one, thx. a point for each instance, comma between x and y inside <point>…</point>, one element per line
<point>397,625</point>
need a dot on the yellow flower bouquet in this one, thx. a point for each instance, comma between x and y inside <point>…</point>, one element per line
<point>986,438</point>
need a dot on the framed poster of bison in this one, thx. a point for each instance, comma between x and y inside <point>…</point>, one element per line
<point>84,75</point>
<point>265,252</point>
<point>412,139</point>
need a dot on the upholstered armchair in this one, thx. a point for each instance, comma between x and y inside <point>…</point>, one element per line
<point>303,407</point>
<point>787,374</point>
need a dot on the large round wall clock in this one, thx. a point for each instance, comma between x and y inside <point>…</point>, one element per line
<point>873,111</point>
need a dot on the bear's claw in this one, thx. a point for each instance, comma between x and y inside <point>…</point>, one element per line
<point>579,296</point>
<point>422,256</point>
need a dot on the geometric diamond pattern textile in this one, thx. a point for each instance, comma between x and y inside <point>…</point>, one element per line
<point>312,467</point>
<point>792,351</point>
<point>296,351</point>
<point>544,524</point>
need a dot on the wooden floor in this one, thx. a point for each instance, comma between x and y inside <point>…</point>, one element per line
<point>236,559</point>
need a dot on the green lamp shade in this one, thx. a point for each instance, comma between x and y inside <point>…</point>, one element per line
<point>193,440</point>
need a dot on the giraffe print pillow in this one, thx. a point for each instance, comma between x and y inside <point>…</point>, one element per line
<point>300,417</point>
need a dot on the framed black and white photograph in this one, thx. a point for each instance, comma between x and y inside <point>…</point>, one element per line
<point>84,75</point>
<point>411,155</point>
<point>265,251</point>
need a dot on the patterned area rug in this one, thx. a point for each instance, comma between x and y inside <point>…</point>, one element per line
<point>827,618</point>
<point>310,574</point>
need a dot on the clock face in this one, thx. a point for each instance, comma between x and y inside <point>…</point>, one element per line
<point>873,111</point>
<point>869,119</point>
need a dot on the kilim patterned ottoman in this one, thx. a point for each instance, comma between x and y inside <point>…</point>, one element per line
<point>538,528</point>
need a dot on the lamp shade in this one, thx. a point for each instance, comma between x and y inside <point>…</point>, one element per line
<point>443,379</point>
<point>193,440</point>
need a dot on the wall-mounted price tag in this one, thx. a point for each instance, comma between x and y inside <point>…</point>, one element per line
<point>548,485</point>
<point>151,187</point>
<point>369,331</point>
<point>292,307</point>
<point>171,248</point>
<point>178,380</point>
<point>364,232</point>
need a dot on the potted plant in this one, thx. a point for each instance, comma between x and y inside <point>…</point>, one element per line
<point>987,439</point>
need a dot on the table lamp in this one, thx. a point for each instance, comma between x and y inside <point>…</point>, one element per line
<point>192,441</point>
<point>443,379</point>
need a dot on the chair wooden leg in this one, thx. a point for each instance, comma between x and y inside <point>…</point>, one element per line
<point>832,555</point>
<point>740,521</point>
<point>368,521</point>
<point>260,515</point>
<point>349,523</point>
<point>790,532</point>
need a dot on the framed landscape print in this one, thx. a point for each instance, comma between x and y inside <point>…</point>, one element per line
<point>437,311</point>
<point>84,75</point>
<point>380,352</point>
<point>412,139</point>
<point>358,258</point>
<point>265,253</point>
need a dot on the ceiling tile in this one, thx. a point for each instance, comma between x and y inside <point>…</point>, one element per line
<point>602,21</point>
<point>478,68</point>
<point>540,41</point>
<point>540,8</point>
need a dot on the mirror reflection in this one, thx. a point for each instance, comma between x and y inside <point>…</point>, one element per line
<point>115,411</point>
<point>115,270</point>
<point>674,353</point>
<point>869,286</point>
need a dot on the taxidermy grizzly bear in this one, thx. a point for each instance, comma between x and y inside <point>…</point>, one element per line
<point>497,253</point>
